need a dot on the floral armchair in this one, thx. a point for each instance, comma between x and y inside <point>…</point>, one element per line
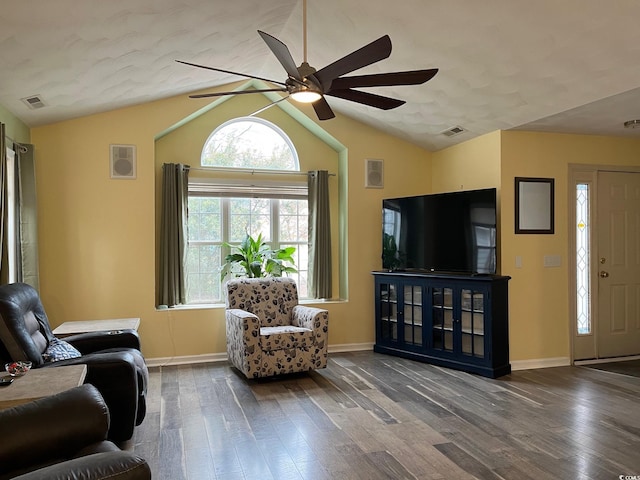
<point>268,333</point>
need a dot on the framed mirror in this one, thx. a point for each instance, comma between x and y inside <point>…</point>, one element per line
<point>534,205</point>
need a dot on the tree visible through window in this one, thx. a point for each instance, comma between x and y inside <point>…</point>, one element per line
<point>249,143</point>
<point>220,213</point>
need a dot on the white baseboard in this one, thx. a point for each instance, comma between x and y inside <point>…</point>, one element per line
<point>346,347</point>
<point>222,357</point>
<point>186,360</point>
<point>350,347</point>
<point>540,363</point>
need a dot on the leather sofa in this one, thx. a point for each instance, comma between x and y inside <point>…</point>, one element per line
<point>63,437</point>
<point>115,365</point>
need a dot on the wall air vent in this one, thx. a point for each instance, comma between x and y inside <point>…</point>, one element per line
<point>34,102</point>
<point>453,131</point>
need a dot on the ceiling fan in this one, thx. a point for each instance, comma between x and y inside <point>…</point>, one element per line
<point>308,85</point>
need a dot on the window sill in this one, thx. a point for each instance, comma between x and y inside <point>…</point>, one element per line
<point>213,306</point>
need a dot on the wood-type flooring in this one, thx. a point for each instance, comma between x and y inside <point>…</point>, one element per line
<point>623,367</point>
<point>371,416</point>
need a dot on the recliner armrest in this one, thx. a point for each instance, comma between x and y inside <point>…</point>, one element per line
<point>32,432</point>
<point>94,341</point>
<point>100,466</point>
<point>117,367</point>
<point>114,374</point>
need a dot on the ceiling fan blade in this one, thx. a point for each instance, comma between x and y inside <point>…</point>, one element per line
<point>230,72</point>
<point>238,92</point>
<point>413,77</point>
<point>374,52</point>
<point>371,99</point>
<point>323,110</point>
<point>281,51</point>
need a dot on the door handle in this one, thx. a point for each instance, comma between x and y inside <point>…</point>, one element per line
<point>604,274</point>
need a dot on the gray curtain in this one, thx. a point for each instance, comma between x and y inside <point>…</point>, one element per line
<point>3,194</point>
<point>28,215</point>
<point>173,234</point>
<point>319,235</point>
<point>25,219</point>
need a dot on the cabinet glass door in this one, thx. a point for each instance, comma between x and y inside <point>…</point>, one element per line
<point>472,319</point>
<point>388,312</point>
<point>412,318</point>
<point>442,318</point>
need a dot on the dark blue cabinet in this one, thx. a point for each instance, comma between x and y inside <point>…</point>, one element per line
<point>456,321</point>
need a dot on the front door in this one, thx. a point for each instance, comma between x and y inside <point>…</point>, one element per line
<point>618,257</point>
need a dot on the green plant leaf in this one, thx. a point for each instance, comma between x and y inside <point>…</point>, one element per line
<point>256,259</point>
<point>255,270</point>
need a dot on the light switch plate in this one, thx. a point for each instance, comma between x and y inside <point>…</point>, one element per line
<point>552,260</point>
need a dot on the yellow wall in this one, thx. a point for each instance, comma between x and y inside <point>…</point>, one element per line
<point>470,165</point>
<point>97,235</point>
<point>539,296</point>
<point>467,166</point>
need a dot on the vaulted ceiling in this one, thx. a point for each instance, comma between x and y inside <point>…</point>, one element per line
<point>551,65</point>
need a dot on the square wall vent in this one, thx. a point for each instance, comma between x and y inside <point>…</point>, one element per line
<point>34,102</point>
<point>453,131</point>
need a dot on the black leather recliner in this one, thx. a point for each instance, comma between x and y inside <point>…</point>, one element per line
<point>115,365</point>
<point>63,436</point>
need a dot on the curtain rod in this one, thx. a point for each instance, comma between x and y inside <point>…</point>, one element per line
<point>252,171</point>
<point>23,149</point>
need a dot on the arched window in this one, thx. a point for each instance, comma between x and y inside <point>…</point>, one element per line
<point>222,212</point>
<point>249,142</point>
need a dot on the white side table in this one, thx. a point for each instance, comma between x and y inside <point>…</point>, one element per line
<point>85,326</point>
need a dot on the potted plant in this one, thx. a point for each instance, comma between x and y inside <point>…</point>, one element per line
<point>254,258</point>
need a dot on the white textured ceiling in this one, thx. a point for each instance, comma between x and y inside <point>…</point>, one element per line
<point>551,65</point>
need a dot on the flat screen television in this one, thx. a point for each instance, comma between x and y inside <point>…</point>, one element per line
<point>445,232</point>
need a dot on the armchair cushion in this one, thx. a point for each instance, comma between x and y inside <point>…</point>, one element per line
<point>60,350</point>
<point>285,336</point>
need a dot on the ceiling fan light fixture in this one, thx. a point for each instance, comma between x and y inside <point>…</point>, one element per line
<point>632,124</point>
<point>304,94</point>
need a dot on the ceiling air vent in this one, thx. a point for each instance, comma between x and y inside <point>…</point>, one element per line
<point>34,102</point>
<point>453,131</point>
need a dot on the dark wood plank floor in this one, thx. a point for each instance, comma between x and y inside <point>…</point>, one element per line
<point>371,416</point>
